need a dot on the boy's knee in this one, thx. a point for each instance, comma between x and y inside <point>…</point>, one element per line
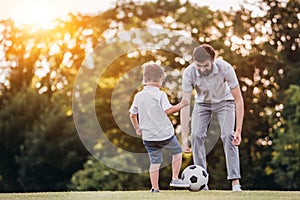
<point>177,156</point>
<point>154,167</point>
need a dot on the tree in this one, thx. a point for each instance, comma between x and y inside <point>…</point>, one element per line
<point>51,151</point>
<point>285,155</point>
<point>16,116</point>
<point>97,176</point>
<point>42,152</point>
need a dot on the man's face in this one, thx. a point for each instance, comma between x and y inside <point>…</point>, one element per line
<point>205,67</point>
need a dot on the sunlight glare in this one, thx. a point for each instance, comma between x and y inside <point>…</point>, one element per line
<point>38,13</point>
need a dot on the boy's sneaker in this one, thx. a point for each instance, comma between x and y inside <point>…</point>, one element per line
<point>154,190</point>
<point>236,188</point>
<point>179,183</point>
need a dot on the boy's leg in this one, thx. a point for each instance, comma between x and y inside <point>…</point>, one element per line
<point>154,175</point>
<point>174,147</point>
<point>155,156</point>
<point>176,165</point>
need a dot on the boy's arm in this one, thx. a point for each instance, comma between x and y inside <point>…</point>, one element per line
<point>135,123</point>
<point>184,102</point>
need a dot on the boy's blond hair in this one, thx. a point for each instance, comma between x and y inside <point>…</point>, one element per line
<point>152,73</point>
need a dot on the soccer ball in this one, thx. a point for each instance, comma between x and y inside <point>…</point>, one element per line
<point>196,176</point>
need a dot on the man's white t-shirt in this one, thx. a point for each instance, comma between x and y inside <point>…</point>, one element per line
<point>150,104</point>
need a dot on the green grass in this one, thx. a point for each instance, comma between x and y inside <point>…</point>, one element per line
<point>165,194</point>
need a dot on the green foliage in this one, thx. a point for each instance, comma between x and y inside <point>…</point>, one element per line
<point>97,176</point>
<point>285,157</point>
<point>51,151</point>
<point>16,117</point>
<point>42,153</point>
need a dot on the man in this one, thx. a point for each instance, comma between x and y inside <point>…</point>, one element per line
<point>218,92</point>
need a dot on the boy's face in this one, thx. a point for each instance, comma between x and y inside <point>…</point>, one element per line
<point>205,67</point>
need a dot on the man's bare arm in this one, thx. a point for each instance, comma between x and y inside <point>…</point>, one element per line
<point>239,103</point>
<point>184,120</point>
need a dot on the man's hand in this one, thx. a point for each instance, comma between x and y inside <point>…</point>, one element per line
<point>237,139</point>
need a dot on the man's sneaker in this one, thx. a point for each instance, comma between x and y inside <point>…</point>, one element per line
<point>179,183</point>
<point>236,188</point>
<point>154,190</point>
<point>206,188</point>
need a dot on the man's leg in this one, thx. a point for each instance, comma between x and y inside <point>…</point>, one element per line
<point>226,117</point>
<point>200,120</point>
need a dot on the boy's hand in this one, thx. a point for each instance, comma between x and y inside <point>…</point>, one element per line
<point>184,102</point>
<point>138,131</point>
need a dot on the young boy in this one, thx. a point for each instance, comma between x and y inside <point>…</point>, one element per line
<point>148,114</point>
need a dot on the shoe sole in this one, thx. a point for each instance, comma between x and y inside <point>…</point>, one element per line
<point>154,191</point>
<point>175,185</point>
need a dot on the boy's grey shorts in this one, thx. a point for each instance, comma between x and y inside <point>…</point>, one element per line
<point>154,148</point>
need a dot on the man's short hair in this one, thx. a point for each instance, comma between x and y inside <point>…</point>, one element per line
<point>152,72</point>
<point>203,53</point>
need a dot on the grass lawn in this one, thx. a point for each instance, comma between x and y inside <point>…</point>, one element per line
<point>164,194</point>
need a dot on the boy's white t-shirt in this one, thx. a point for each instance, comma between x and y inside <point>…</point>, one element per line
<point>150,104</point>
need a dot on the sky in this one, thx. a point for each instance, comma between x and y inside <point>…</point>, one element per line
<point>44,11</point>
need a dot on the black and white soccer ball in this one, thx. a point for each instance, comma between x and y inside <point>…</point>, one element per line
<point>196,176</point>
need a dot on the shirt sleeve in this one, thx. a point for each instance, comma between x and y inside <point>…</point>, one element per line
<point>230,77</point>
<point>165,104</point>
<point>187,85</point>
